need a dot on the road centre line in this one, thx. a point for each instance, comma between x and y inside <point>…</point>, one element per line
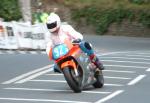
<point>136,80</point>
<point>124,58</point>
<point>63,81</point>
<point>119,71</point>
<point>125,61</point>
<point>34,75</point>
<point>109,96</point>
<point>54,90</point>
<point>26,74</point>
<point>41,100</point>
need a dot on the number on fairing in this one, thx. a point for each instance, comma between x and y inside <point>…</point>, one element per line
<point>59,51</point>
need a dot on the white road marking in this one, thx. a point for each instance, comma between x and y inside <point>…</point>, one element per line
<point>137,79</point>
<point>26,74</point>
<point>21,52</point>
<point>148,70</point>
<point>55,74</point>
<point>126,66</point>
<point>55,81</point>
<point>119,71</point>
<point>124,58</point>
<point>109,77</point>
<point>34,76</point>
<point>33,52</point>
<point>63,81</point>
<point>104,76</point>
<point>144,56</point>
<point>125,61</point>
<point>54,90</point>
<point>114,85</point>
<point>117,77</point>
<point>10,52</point>
<point>41,100</point>
<point>109,96</point>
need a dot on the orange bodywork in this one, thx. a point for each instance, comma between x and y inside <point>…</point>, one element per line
<point>68,63</point>
<point>74,50</point>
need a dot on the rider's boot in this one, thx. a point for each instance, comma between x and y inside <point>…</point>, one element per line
<point>94,59</point>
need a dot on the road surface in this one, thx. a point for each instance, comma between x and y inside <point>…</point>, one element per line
<point>27,77</point>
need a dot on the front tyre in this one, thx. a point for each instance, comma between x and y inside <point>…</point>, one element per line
<point>99,80</point>
<point>71,80</point>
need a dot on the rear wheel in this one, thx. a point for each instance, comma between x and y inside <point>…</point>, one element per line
<point>99,79</point>
<point>73,81</point>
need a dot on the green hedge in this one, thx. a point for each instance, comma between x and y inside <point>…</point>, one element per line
<point>9,10</point>
<point>101,19</point>
<point>139,1</point>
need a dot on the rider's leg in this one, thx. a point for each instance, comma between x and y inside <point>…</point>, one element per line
<point>87,48</point>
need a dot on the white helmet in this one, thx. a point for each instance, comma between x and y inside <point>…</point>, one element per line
<point>53,22</point>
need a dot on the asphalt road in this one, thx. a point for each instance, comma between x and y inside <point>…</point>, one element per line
<point>28,77</point>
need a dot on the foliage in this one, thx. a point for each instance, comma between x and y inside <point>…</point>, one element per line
<point>102,18</point>
<point>139,1</point>
<point>10,10</point>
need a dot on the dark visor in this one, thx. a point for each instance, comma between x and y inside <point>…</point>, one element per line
<point>52,25</point>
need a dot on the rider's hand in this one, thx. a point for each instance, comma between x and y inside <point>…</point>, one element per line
<point>76,41</point>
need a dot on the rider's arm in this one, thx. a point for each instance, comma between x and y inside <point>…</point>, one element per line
<point>73,33</point>
<point>49,49</point>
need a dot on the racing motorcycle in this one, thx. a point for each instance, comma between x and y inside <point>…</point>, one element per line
<point>78,70</point>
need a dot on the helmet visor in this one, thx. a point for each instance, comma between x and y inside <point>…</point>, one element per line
<point>52,25</point>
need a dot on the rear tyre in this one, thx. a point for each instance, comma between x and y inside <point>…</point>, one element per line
<point>71,80</point>
<point>99,80</point>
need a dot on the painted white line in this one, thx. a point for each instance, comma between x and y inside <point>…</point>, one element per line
<point>26,74</point>
<point>124,78</point>
<point>125,61</point>
<point>125,66</point>
<point>9,52</point>
<point>63,81</point>
<point>139,56</point>
<point>33,52</point>
<point>110,96</point>
<point>119,71</point>
<point>112,53</point>
<point>41,100</point>
<point>113,85</point>
<point>137,79</point>
<point>148,53</point>
<point>54,74</point>
<point>22,52</point>
<point>148,70</point>
<point>34,76</point>
<point>43,52</point>
<point>55,81</point>
<point>109,77</point>
<point>124,58</point>
<point>54,90</point>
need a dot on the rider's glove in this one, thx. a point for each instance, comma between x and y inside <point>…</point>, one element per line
<point>76,41</point>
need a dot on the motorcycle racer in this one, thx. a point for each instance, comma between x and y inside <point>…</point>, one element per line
<point>60,32</point>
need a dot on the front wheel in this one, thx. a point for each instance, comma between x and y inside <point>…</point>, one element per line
<point>72,80</point>
<point>99,80</point>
